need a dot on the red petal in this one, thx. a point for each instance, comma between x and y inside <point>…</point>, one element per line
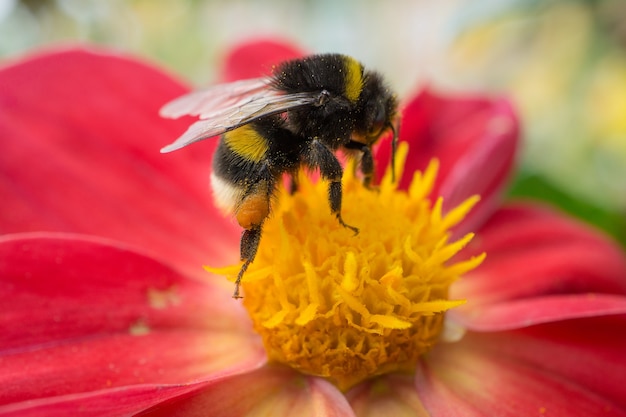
<point>541,266</point>
<point>80,135</point>
<point>390,395</point>
<point>101,316</point>
<point>533,251</point>
<point>569,368</point>
<point>522,313</point>
<point>268,391</point>
<point>474,139</point>
<point>256,58</point>
<point>106,403</point>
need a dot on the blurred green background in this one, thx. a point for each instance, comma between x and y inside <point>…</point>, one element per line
<point>563,62</point>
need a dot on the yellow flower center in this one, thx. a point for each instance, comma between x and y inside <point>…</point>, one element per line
<point>346,307</point>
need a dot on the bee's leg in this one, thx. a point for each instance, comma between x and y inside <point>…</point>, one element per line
<point>319,156</point>
<point>335,197</point>
<point>367,161</point>
<point>250,240</point>
<point>251,213</point>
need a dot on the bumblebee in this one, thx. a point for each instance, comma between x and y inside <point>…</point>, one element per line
<point>298,116</point>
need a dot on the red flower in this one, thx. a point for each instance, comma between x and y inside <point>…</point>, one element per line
<point>106,310</point>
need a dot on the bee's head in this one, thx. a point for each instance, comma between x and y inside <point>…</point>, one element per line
<point>377,112</point>
<point>376,109</point>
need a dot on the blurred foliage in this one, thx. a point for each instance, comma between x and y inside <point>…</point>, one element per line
<point>536,187</point>
<point>564,64</point>
<point>189,37</point>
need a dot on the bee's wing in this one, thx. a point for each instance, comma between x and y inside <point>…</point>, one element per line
<point>228,106</point>
<point>199,103</point>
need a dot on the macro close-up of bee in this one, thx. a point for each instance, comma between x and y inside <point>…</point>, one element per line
<point>298,116</point>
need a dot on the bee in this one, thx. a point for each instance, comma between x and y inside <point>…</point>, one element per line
<point>298,116</point>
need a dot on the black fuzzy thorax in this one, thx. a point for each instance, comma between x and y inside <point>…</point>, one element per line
<point>332,122</point>
<point>312,73</point>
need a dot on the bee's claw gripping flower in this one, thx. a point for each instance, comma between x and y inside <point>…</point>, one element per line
<point>347,307</point>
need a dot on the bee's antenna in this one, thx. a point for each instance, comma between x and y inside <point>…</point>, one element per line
<point>394,145</point>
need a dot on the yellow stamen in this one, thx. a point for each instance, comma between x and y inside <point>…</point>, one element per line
<point>347,307</point>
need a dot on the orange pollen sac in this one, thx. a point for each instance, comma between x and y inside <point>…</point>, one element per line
<point>346,307</point>
<point>253,210</point>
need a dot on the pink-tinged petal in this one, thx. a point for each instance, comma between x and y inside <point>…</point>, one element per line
<point>80,135</point>
<point>269,391</point>
<point>475,140</point>
<point>565,369</point>
<point>440,399</point>
<point>163,356</point>
<point>107,403</point>
<point>82,314</point>
<point>534,251</point>
<point>528,312</point>
<point>589,351</point>
<point>257,58</point>
<point>390,395</point>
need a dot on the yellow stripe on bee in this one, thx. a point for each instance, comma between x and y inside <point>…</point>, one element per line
<point>247,142</point>
<point>354,79</point>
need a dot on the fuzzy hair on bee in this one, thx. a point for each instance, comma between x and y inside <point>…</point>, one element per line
<point>299,116</point>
